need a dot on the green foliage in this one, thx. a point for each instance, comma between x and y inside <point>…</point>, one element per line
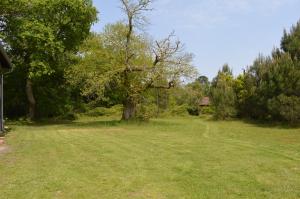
<point>112,79</point>
<point>223,95</point>
<point>102,111</point>
<point>146,112</point>
<point>68,69</point>
<point>193,111</point>
<point>286,107</point>
<point>44,30</point>
<point>263,87</point>
<point>188,96</point>
<point>204,81</point>
<point>178,110</point>
<point>195,92</point>
<point>67,116</point>
<point>94,73</point>
<point>206,110</point>
<point>270,88</point>
<point>41,36</point>
<point>290,42</point>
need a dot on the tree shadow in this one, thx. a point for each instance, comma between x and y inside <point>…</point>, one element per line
<point>38,122</point>
<point>257,123</point>
<point>93,124</point>
<point>270,124</point>
<point>105,122</point>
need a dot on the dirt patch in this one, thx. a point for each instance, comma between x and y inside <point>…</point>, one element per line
<point>2,142</point>
<point>4,149</point>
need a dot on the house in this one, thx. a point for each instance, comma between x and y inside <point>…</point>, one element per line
<point>205,101</point>
<point>5,66</point>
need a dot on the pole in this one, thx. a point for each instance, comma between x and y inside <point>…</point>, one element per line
<point>1,105</point>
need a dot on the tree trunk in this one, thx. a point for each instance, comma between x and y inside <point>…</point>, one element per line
<point>31,99</point>
<point>129,109</point>
<point>157,102</point>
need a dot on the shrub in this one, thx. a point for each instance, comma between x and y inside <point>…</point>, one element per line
<point>144,113</point>
<point>193,111</point>
<point>102,111</point>
<point>286,108</point>
<point>206,110</point>
<point>179,110</point>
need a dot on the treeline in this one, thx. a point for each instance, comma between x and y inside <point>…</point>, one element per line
<point>61,69</point>
<point>267,90</point>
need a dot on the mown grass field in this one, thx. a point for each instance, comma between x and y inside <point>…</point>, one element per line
<point>165,158</point>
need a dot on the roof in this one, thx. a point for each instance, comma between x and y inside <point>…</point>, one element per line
<point>4,60</point>
<point>205,101</point>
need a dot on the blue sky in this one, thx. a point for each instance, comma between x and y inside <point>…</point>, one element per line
<point>215,31</point>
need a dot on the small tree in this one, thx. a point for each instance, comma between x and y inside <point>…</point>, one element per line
<point>205,84</point>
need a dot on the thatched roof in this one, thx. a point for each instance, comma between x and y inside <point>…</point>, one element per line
<point>5,63</point>
<point>205,101</point>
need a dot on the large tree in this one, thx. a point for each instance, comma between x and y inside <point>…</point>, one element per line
<point>132,61</point>
<point>223,95</point>
<point>40,34</point>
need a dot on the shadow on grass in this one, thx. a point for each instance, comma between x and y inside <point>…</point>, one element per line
<point>93,124</point>
<point>95,121</point>
<point>257,123</point>
<point>161,122</point>
<point>271,124</point>
<point>67,123</point>
<point>38,123</point>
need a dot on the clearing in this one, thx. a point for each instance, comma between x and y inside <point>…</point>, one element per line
<point>165,158</point>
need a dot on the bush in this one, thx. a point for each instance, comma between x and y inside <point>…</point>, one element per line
<point>67,116</point>
<point>179,110</point>
<point>206,110</point>
<point>193,111</point>
<point>114,110</point>
<point>286,108</point>
<point>144,113</point>
<point>102,111</point>
<point>96,112</point>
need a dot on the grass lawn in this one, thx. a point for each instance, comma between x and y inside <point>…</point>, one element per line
<point>165,158</point>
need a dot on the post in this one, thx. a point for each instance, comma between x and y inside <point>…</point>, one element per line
<point>1,105</point>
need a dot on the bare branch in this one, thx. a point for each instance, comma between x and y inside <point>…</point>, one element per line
<point>166,49</point>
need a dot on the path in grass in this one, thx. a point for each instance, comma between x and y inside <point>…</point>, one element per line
<point>166,158</point>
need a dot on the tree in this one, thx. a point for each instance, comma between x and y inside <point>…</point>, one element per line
<point>269,89</point>
<point>223,95</point>
<point>194,94</point>
<point>41,34</point>
<point>290,42</point>
<point>251,96</point>
<point>287,108</point>
<point>167,58</point>
<point>137,63</point>
<point>205,84</point>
